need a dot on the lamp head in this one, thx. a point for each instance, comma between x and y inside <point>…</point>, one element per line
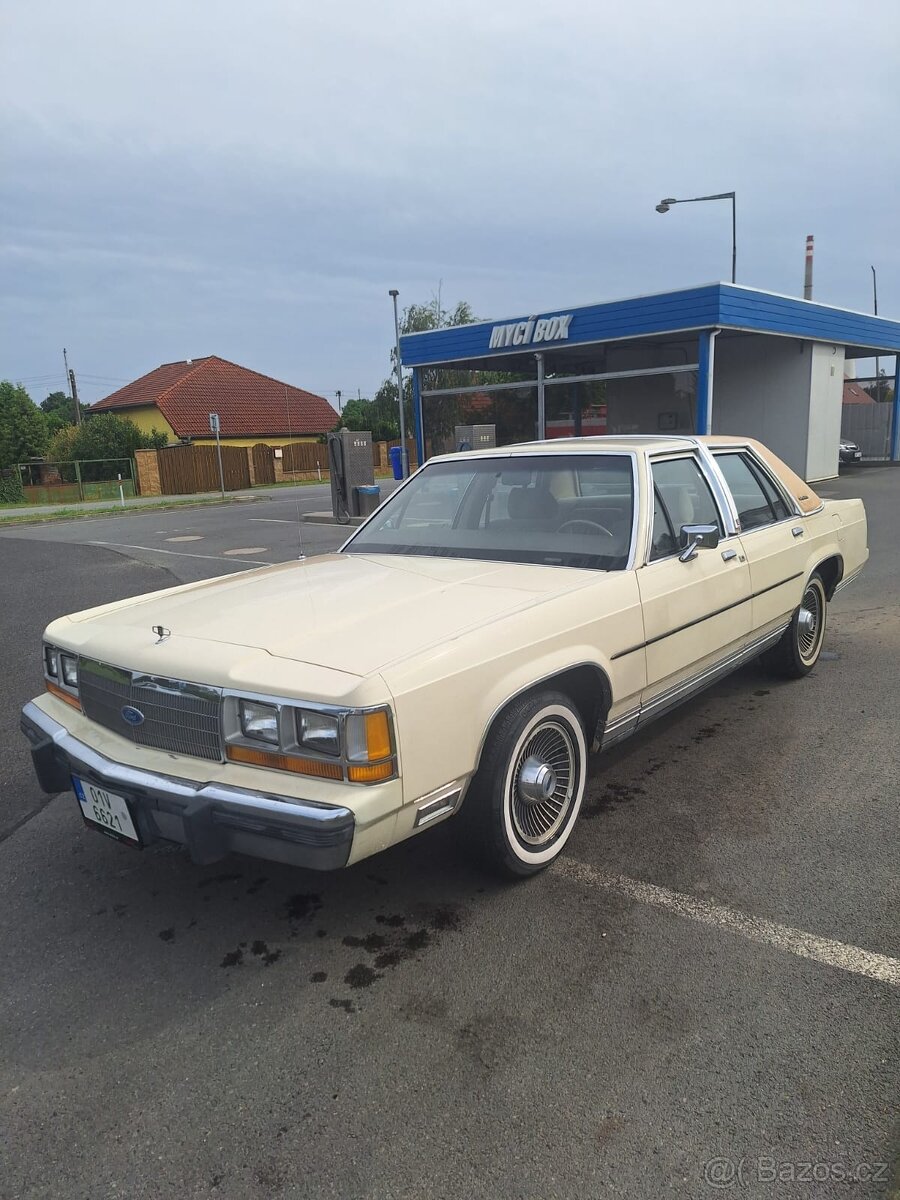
<point>664,205</point>
<point>393,292</point>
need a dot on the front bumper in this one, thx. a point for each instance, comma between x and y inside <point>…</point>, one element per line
<point>210,819</point>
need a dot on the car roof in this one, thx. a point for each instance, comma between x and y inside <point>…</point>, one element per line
<point>608,444</point>
<point>806,498</point>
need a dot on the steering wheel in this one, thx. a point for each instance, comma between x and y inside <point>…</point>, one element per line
<point>582,525</point>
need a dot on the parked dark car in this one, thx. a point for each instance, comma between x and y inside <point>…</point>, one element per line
<point>849,452</point>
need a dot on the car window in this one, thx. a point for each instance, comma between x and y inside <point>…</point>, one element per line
<point>663,542</point>
<point>681,497</point>
<point>754,497</point>
<point>568,510</point>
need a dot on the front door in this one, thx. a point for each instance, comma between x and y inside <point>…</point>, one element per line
<point>696,613</point>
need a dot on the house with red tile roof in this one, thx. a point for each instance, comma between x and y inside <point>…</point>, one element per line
<point>178,397</point>
<point>854,394</point>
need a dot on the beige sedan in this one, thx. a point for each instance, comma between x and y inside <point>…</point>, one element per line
<point>503,612</point>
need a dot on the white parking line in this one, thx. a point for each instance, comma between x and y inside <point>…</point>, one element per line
<point>254,562</point>
<point>756,929</point>
<point>273,520</point>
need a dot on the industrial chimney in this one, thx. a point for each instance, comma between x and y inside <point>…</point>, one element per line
<point>807,278</point>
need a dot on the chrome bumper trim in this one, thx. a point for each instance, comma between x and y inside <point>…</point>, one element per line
<point>211,819</point>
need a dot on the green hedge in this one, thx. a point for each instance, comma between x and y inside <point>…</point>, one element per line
<point>11,488</point>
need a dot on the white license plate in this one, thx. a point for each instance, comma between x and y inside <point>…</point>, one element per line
<point>105,809</point>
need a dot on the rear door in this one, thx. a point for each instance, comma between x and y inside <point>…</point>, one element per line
<point>772,536</point>
<point>696,613</point>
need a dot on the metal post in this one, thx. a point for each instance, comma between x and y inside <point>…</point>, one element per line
<point>733,238</point>
<point>418,415</point>
<point>404,453</point>
<point>877,359</point>
<point>665,205</point>
<point>541,408</point>
<point>219,456</point>
<point>705,370</point>
<point>895,414</point>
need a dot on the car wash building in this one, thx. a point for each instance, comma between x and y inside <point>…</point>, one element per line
<point>714,359</point>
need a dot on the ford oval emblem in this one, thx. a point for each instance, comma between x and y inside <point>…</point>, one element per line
<point>132,715</point>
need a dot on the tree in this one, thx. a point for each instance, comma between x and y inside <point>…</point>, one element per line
<point>60,410</point>
<point>106,437</point>
<point>23,427</point>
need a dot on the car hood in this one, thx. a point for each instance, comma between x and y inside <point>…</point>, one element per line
<point>349,612</point>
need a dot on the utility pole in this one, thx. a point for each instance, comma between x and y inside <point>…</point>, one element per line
<point>70,383</point>
<point>75,396</point>
<point>338,394</point>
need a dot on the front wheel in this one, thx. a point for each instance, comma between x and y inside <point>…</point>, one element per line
<point>798,650</point>
<point>523,802</point>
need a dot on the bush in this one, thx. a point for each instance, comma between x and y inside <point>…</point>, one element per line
<point>11,491</point>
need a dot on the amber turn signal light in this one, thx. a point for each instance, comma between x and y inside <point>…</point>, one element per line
<point>284,762</point>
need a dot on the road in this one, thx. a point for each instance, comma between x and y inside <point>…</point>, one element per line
<point>702,985</point>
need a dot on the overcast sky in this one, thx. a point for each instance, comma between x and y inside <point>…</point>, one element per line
<point>249,179</point>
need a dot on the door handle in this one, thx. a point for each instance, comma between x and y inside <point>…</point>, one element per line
<point>728,555</point>
<point>798,531</point>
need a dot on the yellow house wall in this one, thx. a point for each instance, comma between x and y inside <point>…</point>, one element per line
<point>147,417</point>
<point>251,441</point>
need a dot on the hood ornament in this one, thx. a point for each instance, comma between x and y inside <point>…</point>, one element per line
<point>162,634</point>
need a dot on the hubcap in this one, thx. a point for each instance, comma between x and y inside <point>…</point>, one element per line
<point>809,624</point>
<point>543,784</point>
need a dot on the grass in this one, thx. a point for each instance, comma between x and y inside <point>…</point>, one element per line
<point>8,515</point>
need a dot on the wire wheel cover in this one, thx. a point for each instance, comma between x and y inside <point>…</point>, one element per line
<point>537,821</point>
<point>809,627</point>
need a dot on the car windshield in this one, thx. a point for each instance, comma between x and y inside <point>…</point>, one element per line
<point>566,510</point>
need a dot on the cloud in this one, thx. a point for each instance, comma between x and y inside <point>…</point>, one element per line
<point>249,180</point>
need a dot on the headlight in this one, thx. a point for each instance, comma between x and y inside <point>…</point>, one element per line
<point>69,668</point>
<point>51,661</point>
<point>318,731</point>
<point>259,722</point>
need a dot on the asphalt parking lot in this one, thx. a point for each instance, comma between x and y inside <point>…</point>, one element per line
<point>701,996</point>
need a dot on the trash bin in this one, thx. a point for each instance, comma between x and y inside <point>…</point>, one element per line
<point>368,498</point>
<point>396,455</point>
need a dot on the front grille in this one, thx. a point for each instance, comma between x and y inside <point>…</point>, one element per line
<point>180,717</point>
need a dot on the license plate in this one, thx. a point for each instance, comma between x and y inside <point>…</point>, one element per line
<point>857,454</point>
<point>105,810</point>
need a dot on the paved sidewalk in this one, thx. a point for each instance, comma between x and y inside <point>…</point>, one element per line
<point>49,510</point>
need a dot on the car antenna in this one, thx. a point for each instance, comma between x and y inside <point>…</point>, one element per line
<point>287,409</point>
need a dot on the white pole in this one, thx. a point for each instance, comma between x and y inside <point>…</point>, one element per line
<point>121,493</point>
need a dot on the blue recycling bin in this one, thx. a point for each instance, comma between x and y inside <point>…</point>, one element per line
<point>396,456</point>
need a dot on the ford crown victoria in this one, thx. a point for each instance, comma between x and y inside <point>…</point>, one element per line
<point>503,613</point>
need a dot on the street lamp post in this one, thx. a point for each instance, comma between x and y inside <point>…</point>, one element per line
<point>665,205</point>
<point>877,359</point>
<point>404,456</point>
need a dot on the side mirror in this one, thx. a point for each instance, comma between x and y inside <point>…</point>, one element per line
<point>695,537</point>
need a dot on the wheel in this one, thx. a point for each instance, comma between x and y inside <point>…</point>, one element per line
<point>525,798</point>
<point>798,649</point>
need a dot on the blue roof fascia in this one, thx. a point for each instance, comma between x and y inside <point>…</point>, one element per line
<point>714,305</point>
<point>694,308</point>
<point>766,312</point>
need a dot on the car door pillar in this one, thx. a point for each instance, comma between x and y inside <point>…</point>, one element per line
<point>705,371</point>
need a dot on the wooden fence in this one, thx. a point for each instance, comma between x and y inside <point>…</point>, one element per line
<point>304,456</point>
<point>184,470</point>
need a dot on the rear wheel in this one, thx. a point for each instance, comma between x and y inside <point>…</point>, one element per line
<point>524,801</point>
<point>798,650</point>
